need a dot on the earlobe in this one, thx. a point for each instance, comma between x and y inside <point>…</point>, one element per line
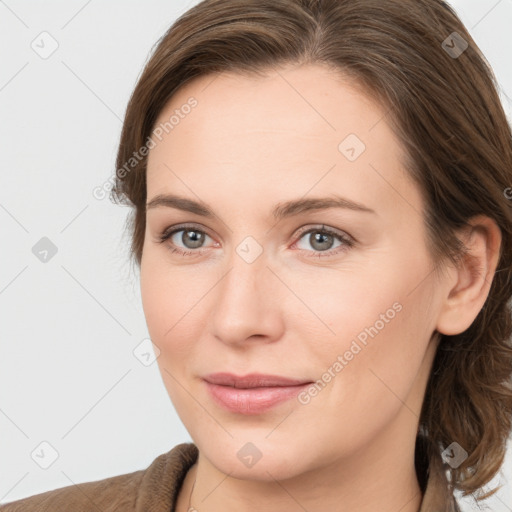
<point>474,275</point>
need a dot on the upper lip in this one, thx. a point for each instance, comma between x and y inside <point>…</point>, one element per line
<point>252,380</point>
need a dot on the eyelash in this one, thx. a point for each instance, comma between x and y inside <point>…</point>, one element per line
<point>347,241</point>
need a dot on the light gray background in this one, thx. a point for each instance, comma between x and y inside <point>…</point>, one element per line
<point>69,327</point>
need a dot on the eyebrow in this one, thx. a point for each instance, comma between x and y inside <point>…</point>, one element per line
<point>280,211</point>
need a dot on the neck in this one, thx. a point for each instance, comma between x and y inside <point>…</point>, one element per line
<point>380,473</point>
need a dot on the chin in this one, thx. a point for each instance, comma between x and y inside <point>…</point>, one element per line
<point>268,462</point>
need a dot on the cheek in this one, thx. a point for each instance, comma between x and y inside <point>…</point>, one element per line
<point>378,331</point>
<point>168,301</point>
<point>168,305</point>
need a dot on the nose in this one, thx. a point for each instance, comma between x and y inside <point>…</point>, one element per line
<point>247,304</point>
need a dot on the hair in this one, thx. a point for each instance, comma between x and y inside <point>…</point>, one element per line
<point>445,110</point>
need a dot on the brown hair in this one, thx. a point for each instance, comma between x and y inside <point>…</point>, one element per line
<point>445,109</point>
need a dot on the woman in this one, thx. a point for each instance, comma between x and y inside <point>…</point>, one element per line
<point>322,219</point>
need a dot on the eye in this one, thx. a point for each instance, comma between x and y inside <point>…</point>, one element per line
<point>191,237</point>
<point>322,240</point>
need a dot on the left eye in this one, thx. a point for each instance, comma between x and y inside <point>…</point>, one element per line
<point>322,240</point>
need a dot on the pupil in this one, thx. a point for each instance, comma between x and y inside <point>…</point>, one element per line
<point>318,237</point>
<point>196,238</point>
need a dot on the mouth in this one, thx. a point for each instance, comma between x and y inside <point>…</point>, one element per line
<point>254,393</point>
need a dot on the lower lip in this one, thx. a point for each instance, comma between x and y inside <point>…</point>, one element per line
<point>252,400</point>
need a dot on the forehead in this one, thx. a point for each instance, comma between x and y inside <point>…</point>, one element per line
<point>293,130</point>
<point>305,100</point>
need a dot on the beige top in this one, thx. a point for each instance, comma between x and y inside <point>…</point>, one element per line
<point>155,489</point>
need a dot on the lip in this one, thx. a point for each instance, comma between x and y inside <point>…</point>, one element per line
<point>254,393</point>
<point>252,380</point>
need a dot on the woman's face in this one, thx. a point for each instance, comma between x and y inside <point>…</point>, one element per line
<point>341,297</point>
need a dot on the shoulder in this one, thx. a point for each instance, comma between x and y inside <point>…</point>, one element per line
<point>134,491</point>
<point>114,493</point>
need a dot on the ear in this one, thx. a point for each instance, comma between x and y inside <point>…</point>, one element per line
<point>469,284</point>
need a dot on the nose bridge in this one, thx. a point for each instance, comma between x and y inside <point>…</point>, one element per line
<point>246,302</point>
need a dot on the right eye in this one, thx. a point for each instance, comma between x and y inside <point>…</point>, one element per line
<point>191,237</point>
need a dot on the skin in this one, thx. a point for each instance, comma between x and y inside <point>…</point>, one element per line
<point>250,144</point>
